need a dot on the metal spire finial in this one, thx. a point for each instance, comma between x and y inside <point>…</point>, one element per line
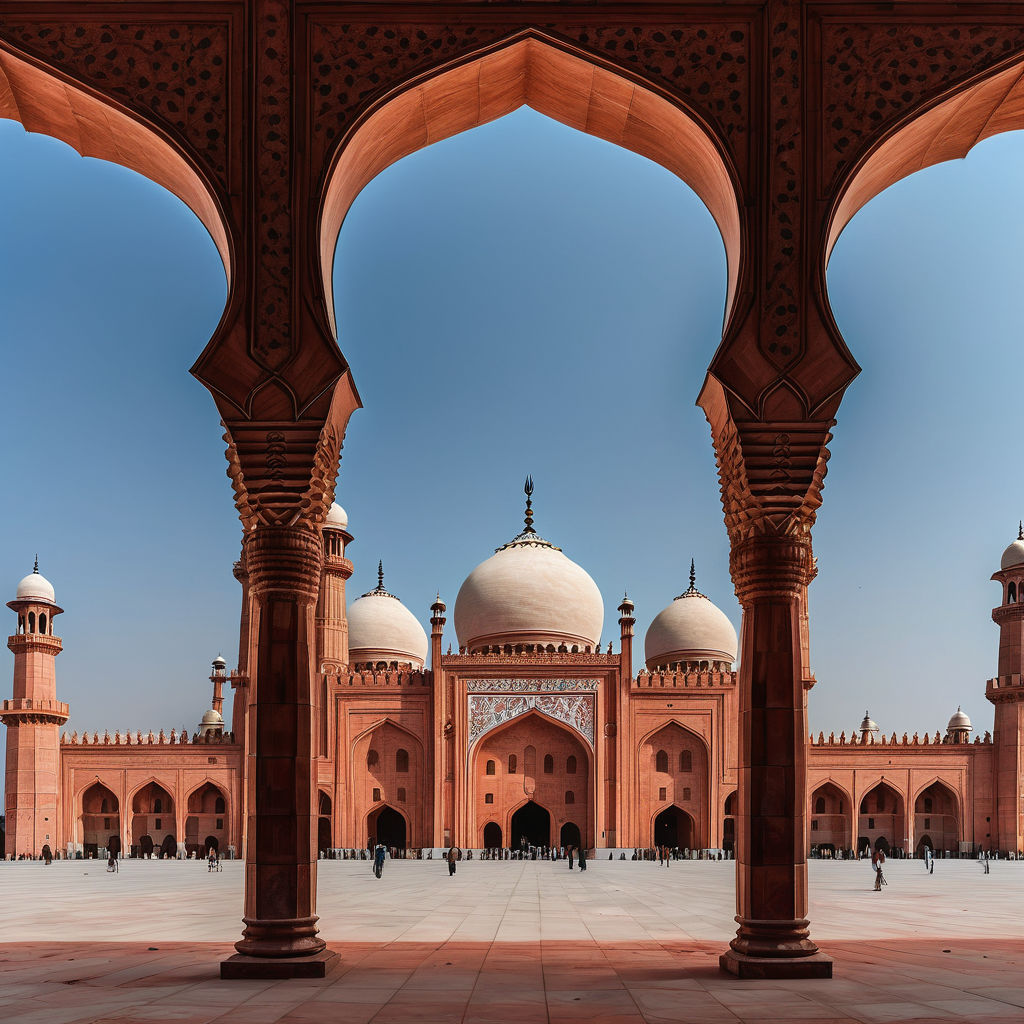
<point>693,575</point>
<point>35,566</point>
<point>528,490</point>
<point>1020,532</point>
<point>380,574</point>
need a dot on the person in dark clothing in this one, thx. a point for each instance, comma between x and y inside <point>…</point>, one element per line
<point>452,856</point>
<point>583,859</point>
<point>569,853</point>
<point>378,859</point>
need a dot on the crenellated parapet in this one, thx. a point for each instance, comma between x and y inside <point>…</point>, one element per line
<point>1005,688</point>
<point>387,679</point>
<point>922,740</point>
<point>150,739</point>
<point>683,680</point>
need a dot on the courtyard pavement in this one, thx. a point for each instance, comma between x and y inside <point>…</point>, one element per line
<point>512,941</point>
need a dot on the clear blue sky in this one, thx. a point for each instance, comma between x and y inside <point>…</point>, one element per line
<point>519,299</point>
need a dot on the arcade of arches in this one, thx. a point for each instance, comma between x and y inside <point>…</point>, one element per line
<point>706,90</point>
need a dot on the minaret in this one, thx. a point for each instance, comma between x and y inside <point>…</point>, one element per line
<point>33,717</point>
<point>626,624</point>
<point>331,620</point>
<point>213,720</point>
<point>1006,692</point>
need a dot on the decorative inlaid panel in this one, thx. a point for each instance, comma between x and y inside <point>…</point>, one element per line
<point>530,685</point>
<point>489,710</point>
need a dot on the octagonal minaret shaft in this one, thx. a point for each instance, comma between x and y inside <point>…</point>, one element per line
<point>33,717</point>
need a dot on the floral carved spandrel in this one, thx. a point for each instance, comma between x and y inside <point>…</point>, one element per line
<point>489,710</point>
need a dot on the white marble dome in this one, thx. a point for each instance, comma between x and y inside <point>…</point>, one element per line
<point>868,724</point>
<point>337,518</point>
<point>528,592</point>
<point>959,721</point>
<point>381,628</point>
<point>691,628</point>
<point>35,587</point>
<point>1014,553</point>
<point>212,717</point>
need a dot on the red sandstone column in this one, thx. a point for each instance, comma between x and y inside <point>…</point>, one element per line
<point>280,936</point>
<point>771,858</point>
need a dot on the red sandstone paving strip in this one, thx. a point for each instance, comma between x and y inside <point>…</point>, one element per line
<point>563,982</point>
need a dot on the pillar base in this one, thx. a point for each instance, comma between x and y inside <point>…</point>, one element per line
<point>265,967</point>
<point>817,965</point>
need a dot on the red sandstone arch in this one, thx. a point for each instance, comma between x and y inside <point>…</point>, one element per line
<point>831,810</point>
<point>97,825</point>
<point>563,82</point>
<point>145,816</point>
<point>387,736</point>
<point>673,736</point>
<point>946,128</point>
<point>48,102</point>
<point>203,820</point>
<point>943,820</point>
<point>546,735</point>
<point>889,822</point>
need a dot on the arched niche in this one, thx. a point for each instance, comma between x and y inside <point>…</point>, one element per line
<point>575,88</point>
<point>673,771</point>
<point>937,816</point>
<point>831,815</point>
<point>378,780</point>
<point>882,818</point>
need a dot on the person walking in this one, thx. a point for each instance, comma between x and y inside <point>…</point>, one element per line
<point>378,859</point>
<point>452,856</point>
<point>877,860</point>
<point>569,852</point>
<point>583,858</point>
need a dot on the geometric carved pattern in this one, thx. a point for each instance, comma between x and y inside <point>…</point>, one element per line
<point>530,685</point>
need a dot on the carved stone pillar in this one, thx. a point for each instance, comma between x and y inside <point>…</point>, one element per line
<point>770,572</point>
<point>280,936</point>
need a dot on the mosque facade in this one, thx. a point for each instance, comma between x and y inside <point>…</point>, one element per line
<point>528,732</point>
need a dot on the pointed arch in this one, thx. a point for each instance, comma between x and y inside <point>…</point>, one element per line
<point>558,79</point>
<point>50,102</point>
<point>207,781</point>
<point>155,780</point>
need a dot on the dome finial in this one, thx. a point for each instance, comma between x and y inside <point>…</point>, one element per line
<point>380,574</point>
<point>1020,532</point>
<point>528,490</point>
<point>693,575</point>
<point>35,565</point>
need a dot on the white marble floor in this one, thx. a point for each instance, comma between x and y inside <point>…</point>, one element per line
<point>511,901</point>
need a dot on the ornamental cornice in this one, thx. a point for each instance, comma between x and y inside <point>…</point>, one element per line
<point>546,658</point>
<point>531,685</point>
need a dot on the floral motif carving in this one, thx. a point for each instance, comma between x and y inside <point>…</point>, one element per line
<point>352,64</point>
<point>487,711</point>
<point>179,73</point>
<point>876,69</point>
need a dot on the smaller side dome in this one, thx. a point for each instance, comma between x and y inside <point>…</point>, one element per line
<point>691,630</point>
<point>868,724</point>
<point>1014,553</point>
<point>35,587</point>
<point>382,629</point>
<point>959,721</point>
<point>213,721</point>
<point>337,518</point>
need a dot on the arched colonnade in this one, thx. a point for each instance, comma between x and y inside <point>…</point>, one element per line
<point>273,146</point>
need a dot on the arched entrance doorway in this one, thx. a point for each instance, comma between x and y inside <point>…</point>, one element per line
<point>936,815</point>
<point>883,818</point>
<point>531,826</point>
<point>212,843</point>
<point>146,845</point>
<point>674,774</point>
<point>492,836</point>
<point>387,826</point>
<point>153,817</point>
<point>324,840</point>
<point>101,820</point>
<point>729,823</point>
<point>673,827</point>
<point>570,835</point>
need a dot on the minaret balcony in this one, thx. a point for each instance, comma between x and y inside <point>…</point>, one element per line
<point>338,565</point>
<point>1005,688</point>
<point>22,643</point>
<point>31,709</point>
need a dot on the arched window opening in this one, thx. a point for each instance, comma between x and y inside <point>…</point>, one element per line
<point>158,806</point>
<point>401,760</point>
<point>372,758</point>
<point>549,764</point>
<point>42,621</point>
<point>928,802</point>
<point>819,805</point>
<point>104,806</point>
<point>570,796</point>
<point>513,764</point>
<point>1011,594</point>
<point>661,761</point>
<point>685,761</point>
<point>570,765</point>
<point>218,805</point>
<point>489,770</point>
<point>31,622</point>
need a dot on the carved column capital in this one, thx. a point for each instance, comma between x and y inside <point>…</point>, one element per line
<point>770,565</point>
<point>285,561</point>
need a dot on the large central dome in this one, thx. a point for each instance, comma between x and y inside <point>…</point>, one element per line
<point>528,592</point>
